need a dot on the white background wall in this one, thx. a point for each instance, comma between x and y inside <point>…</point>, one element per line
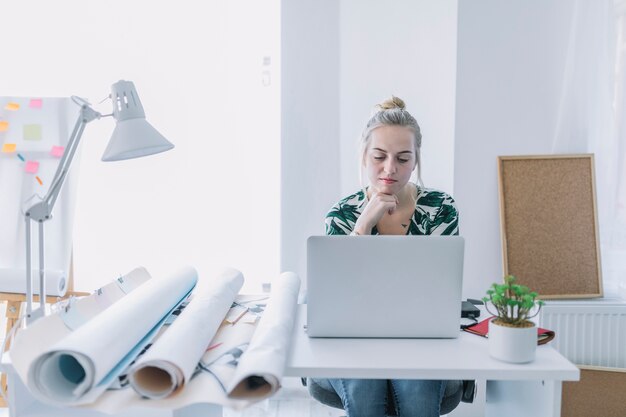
<point>510,67</point>
<point>406,48</point>
<point>201,72</point>
<point>310,124</point>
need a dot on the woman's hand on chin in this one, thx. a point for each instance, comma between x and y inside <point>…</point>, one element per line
<point>377,206</point>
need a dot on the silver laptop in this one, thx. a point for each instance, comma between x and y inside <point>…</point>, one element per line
<point>384,286</point>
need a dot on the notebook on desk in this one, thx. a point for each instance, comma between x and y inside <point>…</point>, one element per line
<point>384,286</point>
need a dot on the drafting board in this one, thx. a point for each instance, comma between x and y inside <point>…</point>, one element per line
<point>35,130</point>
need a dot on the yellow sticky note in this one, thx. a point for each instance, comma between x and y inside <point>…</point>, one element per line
<point>12,106</point>
<point>8,147</point>
<point>4,125</point>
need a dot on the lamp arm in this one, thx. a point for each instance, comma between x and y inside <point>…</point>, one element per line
<point>42,210</point>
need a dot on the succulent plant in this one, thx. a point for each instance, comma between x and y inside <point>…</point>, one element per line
<point>514,303</point>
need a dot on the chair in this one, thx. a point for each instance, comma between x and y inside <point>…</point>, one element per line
<point>456,391</point>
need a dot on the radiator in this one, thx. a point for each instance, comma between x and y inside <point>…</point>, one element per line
<point>588,332</point>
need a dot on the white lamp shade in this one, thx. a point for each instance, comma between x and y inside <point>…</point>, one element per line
<point>134,138</point>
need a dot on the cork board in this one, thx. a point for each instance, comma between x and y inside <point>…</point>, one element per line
<point>549,224</point>
<point>600,392</point>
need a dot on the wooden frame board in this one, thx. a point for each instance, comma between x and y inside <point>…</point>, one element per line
<point>600,392</point>
<point>548,224</point>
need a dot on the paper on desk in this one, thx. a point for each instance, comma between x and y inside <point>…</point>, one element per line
<point>205,386</point>
<point>80,367</point>
<point>219,369</point>
<point>262,364</point>
<point>171,360</point>
<point>243,363</point>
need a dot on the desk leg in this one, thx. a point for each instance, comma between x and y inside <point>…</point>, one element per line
<point>523,398</point>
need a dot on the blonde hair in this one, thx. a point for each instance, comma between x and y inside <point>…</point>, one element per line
<point>391,112</point>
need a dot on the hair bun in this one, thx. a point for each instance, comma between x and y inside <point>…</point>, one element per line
<point>392,103</point>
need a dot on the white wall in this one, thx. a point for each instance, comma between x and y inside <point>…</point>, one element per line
<point>510,64</point>
<point>199,70</point>
<point>310,123</point>
<point>406,48</point>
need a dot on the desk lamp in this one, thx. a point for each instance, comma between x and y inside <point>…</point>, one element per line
<point>133,137</point>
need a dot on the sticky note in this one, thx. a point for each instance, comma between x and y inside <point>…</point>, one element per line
<point>8,147</point>
<point>4,125</point>
<point>35,103</point>
<point>57,151</point>
<point>32,132</point>
<point>12,106</point>
<point>32,167</point>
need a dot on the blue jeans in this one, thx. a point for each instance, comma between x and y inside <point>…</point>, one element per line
<point>368,397</point>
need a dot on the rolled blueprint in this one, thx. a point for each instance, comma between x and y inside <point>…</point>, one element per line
<point>170,362</point>
<point>14,280</point>
<point>33,340</point>
<point>78,368</point>
<point>262,365</point>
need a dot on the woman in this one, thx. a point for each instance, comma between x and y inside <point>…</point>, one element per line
<point>391,205</point>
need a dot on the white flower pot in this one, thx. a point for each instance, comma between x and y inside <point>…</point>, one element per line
<point>512,344</point>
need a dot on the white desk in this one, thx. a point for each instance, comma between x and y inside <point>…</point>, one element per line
<point>513,390</point>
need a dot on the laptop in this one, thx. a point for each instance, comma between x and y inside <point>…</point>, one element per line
<point>384,286</point>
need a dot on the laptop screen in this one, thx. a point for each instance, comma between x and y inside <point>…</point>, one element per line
<point>384,286</point>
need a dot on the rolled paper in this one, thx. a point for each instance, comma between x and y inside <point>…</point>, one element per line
<point>262,365</point>
<point>14,280</point>
<point>39,335</point>
<point>170,362</point>
<point>78,368</point>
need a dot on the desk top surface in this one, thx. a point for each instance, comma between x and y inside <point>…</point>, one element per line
<point>466,357</point>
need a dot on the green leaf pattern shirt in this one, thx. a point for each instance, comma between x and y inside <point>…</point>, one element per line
<point>435,214</point>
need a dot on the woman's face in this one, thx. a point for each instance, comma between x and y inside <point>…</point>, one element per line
<point>390,158</point>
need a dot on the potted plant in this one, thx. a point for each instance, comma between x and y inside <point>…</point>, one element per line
<point>512,336</point>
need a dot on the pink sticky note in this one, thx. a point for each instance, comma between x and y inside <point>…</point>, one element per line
<point>35,103</point>
<point>57,151</point>
<point>32,167</point>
